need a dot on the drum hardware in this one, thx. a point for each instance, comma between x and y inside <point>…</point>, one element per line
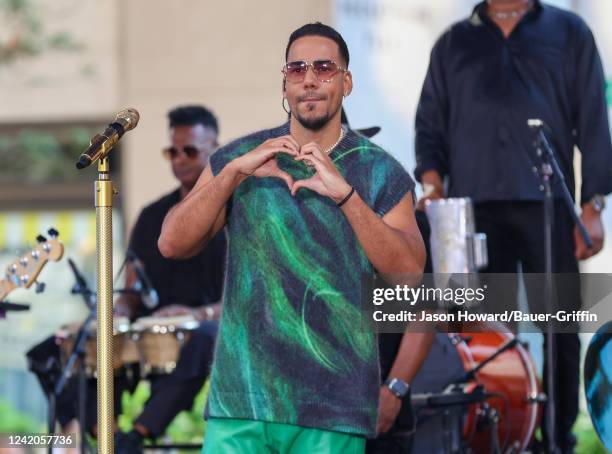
<point>454,395</point>
<point>536,398</point>
<point>6,306</point>
<point>457,339</point>
<point>511,382</point>
<point>159,342</point>
<point>471,374</point>
<point>488,420</point>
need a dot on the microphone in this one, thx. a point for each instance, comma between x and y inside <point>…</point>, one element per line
<point>149,295</point>
<point>101,144</point>
<point>81,287</point>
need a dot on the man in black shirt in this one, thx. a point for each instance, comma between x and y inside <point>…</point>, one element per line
<point>191,286</point>
<point>513,60</point>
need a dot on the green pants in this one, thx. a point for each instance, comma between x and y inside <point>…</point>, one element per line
<point>245,436</point>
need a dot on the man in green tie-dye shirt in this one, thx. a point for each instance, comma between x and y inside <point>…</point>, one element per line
<point>310,208</point>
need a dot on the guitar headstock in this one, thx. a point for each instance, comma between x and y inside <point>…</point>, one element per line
<point>24,271</point>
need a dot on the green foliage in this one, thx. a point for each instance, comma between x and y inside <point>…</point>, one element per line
<point>25,34</point>
<point>588,441</point>
<point>34,155</point>
<point>187,427</point>
<point>13,421</point>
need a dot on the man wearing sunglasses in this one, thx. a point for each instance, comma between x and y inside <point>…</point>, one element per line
<point>310,208</point>
<point>192,286</point>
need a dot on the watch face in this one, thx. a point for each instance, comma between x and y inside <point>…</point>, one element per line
<point>398,387</point>
<point>598,202</point>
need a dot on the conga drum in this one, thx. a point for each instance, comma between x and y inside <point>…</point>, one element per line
<point>124,349</point>
<point>159,341</point>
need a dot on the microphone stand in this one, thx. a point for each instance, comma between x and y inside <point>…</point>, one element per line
<point>6,306</point>
<point>77,356</point>
<point>104,191</point>
<point>549,171</point>
<point>471,374</point>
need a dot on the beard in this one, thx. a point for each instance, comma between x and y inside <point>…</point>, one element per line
<point>313,123</point>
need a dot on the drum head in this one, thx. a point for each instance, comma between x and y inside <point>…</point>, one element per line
<point>165,324</point>
<point>598,383</point>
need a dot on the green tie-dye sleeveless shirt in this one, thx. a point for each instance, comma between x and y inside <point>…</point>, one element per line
<point>291,347</point>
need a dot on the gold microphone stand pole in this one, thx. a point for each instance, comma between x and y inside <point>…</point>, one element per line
<point>98,150</point>
<point>104,247</point>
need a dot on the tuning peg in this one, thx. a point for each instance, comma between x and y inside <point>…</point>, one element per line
<point>39,287</point>
<point>53,233</point>
<point>41,239</point>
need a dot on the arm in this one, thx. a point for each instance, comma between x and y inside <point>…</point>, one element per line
<point>393,243</point>
<point>413,351</point>
<point>431,145</point>
<point>205,312</point>
<point>592,137</point>
<point>190,224</point>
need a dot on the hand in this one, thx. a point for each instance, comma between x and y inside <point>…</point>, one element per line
<point>432,194</point>
<point>261,162</point>
<point>433,188</point>
<point>591,218</point>
<point>174,310</point>
<point>389,406</point>
<point>327,180</point>
<point>121,311</point>
<point>123,307</point>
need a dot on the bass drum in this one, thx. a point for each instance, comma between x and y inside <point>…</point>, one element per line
<point>511,377</point>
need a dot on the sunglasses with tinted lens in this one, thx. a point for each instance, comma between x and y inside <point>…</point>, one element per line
<point>324,70</point>
<point>172,152</point>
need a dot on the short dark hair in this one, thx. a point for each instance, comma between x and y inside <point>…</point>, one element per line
<point>319,29</point>
<point>191,116</point>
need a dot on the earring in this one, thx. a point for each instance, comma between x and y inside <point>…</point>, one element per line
<point>286,109</point>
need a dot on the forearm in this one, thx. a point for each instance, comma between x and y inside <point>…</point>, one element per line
<point>413,351</point>
<point>390,251</point>
<point>189,225</point>
<point>209,312</point>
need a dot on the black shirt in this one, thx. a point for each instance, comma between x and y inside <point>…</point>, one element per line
<point>481,89</point>
<point>192,282</point>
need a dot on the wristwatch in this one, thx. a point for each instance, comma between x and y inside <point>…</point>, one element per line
<point>398,387</point>
<point>598,202</point>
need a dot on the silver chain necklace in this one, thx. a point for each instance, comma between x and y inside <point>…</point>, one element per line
<point>330,149</point>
